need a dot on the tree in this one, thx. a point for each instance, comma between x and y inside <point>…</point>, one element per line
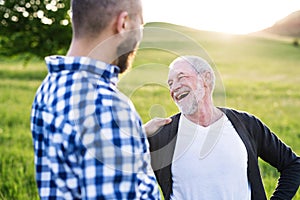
<point>34,27</point>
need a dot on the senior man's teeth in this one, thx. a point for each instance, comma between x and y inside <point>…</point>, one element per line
<point>182,95</point>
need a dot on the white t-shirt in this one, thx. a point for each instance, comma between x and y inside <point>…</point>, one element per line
<point>209,163</point>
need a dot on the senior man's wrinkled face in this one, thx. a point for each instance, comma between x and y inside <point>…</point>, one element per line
<point>186,87</point>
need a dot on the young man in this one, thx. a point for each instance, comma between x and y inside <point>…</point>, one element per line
<point>212,153</point>
<point>88,139</point>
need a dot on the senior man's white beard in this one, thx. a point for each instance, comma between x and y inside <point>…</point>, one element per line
<point>188,106</point>
<point>191,104</point>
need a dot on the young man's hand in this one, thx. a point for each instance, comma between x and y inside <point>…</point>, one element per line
<point>154,124</point>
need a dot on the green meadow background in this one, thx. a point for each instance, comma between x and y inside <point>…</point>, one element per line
<point>259,75</point>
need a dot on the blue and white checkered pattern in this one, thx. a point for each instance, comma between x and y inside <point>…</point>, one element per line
<point>87,136</point>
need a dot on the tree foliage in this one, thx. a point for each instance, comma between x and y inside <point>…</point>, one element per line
<point>34,27</point>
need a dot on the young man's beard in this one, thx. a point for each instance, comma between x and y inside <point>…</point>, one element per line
<point>125,61</point>
<point>126,52</point>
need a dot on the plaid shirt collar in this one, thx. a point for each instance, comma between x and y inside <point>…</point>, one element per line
<point>107,71</point>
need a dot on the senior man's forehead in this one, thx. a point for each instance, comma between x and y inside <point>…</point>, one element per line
<point>181,66</point>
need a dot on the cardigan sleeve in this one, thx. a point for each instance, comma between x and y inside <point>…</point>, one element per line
<point>275,152</point>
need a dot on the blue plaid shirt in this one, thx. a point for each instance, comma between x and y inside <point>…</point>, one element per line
<point>87,136</point>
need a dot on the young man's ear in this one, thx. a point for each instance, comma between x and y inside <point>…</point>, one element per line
<point>122,22</point>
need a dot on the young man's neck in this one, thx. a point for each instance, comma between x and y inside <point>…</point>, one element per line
<point>101,49</point>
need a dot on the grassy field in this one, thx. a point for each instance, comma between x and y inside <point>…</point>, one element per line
<point>258,75</point>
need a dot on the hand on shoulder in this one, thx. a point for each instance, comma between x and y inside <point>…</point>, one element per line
<point>154,124</point>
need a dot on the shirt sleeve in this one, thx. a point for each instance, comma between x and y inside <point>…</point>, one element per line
<point>117,160</point>
<point>57,163</point>
<point>147,181</point>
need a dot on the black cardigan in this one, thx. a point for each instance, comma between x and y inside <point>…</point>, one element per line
<point>259,142</point>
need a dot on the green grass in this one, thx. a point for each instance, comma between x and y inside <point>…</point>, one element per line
<point>16,151</point>
<point>257,75</point>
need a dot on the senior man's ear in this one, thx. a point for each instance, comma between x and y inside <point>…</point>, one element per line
<point>207,78</point>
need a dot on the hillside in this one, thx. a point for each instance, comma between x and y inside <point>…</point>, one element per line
<point>288,26</point>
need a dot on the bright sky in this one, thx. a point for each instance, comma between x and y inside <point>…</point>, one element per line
<point>229,16</point>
